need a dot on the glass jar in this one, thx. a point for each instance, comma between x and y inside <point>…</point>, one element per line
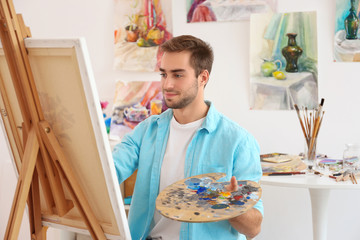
<point>351,156</point>
<point>310,156</point>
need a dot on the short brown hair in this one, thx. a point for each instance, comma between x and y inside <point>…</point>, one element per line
<point>202,56</point>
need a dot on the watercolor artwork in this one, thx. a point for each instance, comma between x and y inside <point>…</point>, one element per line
<point>283,61</point>
<point>226,10</point>
<point>201,199</point>
<point>140,27</point>
<point>133,103</point>
<point>270,163</point>
<point>347,34</point>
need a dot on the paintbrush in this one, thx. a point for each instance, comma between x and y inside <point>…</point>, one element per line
<point>307,124</point>
<point>282,173</point>
<point>301,123</point>
<point>333,177</point>
<point>353,178</point>
<point>310,125</point>
<point>320,106</point>
<point>319,124</point>
<point>316,124</point>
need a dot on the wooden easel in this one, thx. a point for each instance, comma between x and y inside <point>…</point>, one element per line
<point>42,158</point>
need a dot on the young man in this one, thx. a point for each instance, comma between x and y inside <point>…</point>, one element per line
<point>188,139</point>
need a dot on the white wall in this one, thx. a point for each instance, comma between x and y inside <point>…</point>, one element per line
<point>287,211</point>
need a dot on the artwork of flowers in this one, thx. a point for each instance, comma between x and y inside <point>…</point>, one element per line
<point>283,61</point>
<point>226,10</point>
<point>140,27</point>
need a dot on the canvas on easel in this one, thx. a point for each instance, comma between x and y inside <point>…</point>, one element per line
<point>66,175</point>
<point>68,98</point>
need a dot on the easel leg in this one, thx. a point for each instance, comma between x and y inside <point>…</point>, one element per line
<point>65,170</point>
<point>23,186</point>
<point>36,230</point>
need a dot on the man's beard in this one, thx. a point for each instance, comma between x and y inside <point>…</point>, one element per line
<point>186,100</point>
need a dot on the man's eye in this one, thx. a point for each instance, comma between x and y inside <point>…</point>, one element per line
<point>178,75</point>
<point>162,74</point>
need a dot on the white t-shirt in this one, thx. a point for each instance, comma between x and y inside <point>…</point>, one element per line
<point>172,170</point>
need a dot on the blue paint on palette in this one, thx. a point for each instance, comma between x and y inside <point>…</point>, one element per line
<point>220,206</point>
<point>201,189</point>
<point>215,194</point>
<point>193,183</point>
<point>206,198</point>
<point>240,203</point>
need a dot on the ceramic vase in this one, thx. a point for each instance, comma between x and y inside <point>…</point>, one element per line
<point>291,52</point>
<point>351,23</point>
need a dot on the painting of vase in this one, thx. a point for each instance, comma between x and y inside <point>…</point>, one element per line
<point>283,61</point>
<point>134,102</point>
<point>347,34</point>
<point>140,27</point>
<point>226,10</point>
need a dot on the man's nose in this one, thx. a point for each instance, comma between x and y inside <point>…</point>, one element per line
<point>168,83</point>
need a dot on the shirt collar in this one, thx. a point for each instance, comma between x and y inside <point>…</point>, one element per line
<point>212,118</point>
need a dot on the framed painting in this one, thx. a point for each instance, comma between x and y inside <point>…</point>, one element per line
<point>283,61</point>
<point>226,10</point>
<point>140,27</point>
<point>133,103</point>
<point>347,34</point>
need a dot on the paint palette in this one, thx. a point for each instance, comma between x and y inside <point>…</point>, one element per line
<point>201,199</point>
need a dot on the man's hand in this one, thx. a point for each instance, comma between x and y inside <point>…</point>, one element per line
<point>248,223</point>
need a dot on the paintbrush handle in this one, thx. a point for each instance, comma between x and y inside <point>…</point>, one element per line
<point>301,123</point>
<point>282,173</point>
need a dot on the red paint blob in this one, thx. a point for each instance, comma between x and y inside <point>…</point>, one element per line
<point>237,198</point>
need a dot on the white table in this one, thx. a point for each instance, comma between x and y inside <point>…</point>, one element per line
<point>290,91</point>
<point>319,189</point>
<point>346,50</point>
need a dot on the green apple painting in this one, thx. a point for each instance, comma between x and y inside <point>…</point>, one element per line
<point>283,61</point>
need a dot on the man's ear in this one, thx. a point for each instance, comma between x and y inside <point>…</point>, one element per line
<point>204,77</point>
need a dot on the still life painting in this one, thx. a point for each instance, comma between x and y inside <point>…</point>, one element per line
<point>134,102</point>
<point>347,34</point>
<point>140,27</point>
<point>283,61</point>
<point>226,10</point>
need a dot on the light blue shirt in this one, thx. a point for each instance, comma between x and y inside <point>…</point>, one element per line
<point>219,145</point>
